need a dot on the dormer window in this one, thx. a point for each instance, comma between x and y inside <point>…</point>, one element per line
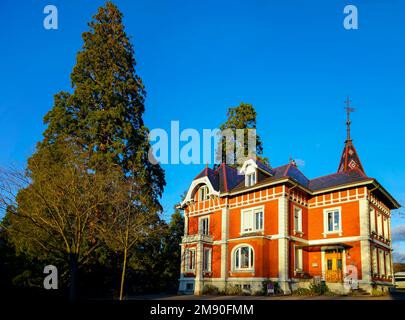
<point>203,193</point>
<point>250,179</point>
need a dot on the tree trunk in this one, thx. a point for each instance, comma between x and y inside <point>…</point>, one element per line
<point>73,276</point>
<point>123,274</point>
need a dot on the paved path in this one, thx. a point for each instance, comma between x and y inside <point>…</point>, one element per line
<point>392,296</point>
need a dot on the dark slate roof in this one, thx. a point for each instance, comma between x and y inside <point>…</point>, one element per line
<point>225,179</point>
<point>291,171</point>
<point>212,177</point>
<point>337,179</point>
<point>228,178</point>
<point>265,168</point>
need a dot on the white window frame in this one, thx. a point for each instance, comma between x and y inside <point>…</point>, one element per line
<point>251,178</point>
<point>385,223</point>
<point>209,265</point>
<point>251,258</point>
<point>379,223</point>
<point>200,225</point>
<point>298,259</point>
<point>252,213</point>
<point>189,251</point>
<point>381,254</point>
<point>375,260</point>
<point>203,193</point>
<point>298,229</point>
<point>387,264</point>
<point>372,220</point>
<point>326,224</point>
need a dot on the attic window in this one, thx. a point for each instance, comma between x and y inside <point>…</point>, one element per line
<point>250,179</point>
<point>203,193</point>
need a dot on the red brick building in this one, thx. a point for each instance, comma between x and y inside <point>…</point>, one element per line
<point>244,228</point>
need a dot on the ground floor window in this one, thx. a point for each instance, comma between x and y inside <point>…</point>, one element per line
<point>207,259</point>
<point>298,259</point>
<point>382,262</point>
<point>190,259</point>
<point>387,264</point>
<point>243,258</point>
<point>374,257</point>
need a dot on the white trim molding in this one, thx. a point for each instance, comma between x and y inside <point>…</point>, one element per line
<point>194,184</point>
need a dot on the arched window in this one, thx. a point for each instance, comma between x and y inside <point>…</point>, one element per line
<point>203,193</point>
<point>243,258</point>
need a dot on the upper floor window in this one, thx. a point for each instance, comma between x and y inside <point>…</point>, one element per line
<point>297,219</point>
<point>207,258</point>
<point>252,220</point>
<point>372,219</point>
<point>243,258</point>
<point>190,259</point>
<point>386,236</point>
<point>333,221</point>
<point>203,193</point>
<point>204,225</point>
<point>379,224</point>
<point>250,179</point>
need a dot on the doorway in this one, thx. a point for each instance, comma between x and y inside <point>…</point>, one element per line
<point>334,265</point>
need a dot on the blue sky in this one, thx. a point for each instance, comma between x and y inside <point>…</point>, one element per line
<point>292,60</point>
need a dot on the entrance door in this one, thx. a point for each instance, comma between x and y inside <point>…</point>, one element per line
<point>334,266</point>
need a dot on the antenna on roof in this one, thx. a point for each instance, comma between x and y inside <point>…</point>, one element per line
<point>348,122</point>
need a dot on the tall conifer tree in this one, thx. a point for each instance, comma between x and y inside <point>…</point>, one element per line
<point>102,119</point>
<point>105,110</point>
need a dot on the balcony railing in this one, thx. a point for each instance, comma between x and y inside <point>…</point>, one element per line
<point>196,237</point>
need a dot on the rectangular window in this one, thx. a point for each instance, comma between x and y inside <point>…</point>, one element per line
<point>297,219</point>
<point>258,214</point>
<point>333,220</point>
<point>372,220</point>
<point>387,264</point>
<point>252,220</point>
<point>381,256</point>
<point>190,259</point>
<point>204,227</point>
<point>379,224</point>
<point>329,264</point>
<point>207,259</point>
<point>375,265</point>
<point>385,228</point>
<point>250,179</point>
<point>298,259</point>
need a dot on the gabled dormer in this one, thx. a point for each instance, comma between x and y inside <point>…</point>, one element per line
<point>254,172</point>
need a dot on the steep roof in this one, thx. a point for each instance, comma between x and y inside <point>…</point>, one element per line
<point>350,159</point>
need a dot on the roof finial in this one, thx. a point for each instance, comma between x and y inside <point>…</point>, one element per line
<point>348,122</point>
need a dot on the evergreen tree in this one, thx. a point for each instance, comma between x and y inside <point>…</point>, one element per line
<point>101,123</point>
<point>104,112</point>
<point>240,117</point>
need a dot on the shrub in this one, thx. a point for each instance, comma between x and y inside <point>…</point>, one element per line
<point>318,288</point>
<point>232,290</point>
<point>378,293</point>
<point>210,290</point>
<point>302,292</point>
